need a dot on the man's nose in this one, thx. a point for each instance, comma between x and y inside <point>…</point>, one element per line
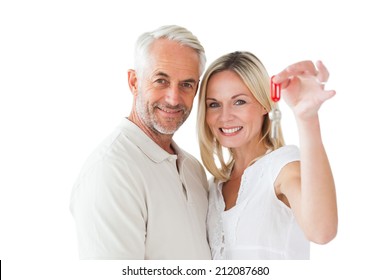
<point>172,96</point>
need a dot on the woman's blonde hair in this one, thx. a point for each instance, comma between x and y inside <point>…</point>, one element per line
<point>254,75</point>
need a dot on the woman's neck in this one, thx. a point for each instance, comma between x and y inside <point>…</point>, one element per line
<point>243,158</point>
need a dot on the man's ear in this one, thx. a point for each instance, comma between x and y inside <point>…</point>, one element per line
<point>132,81</point>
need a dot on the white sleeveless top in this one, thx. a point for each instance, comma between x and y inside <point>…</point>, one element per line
<point>259,226</point>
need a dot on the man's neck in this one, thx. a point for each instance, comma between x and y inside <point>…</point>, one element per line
<point>163,140</point>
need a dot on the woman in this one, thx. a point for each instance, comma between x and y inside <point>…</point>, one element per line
<point>266,200</point>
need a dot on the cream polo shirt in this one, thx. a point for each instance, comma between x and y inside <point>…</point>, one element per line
<point>133,200</point>
<point>259,226</point>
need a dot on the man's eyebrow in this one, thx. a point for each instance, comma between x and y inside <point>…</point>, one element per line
<point>190,81</point>
<point>161,74</point>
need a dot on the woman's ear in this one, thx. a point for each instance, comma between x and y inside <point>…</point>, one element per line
<point>132,81</point>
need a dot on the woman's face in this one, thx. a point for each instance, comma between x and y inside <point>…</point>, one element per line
<point>234,116</point>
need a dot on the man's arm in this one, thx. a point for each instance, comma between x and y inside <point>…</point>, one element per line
<point>110,213</point>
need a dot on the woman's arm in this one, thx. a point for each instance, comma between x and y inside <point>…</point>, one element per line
<point>309,186</point>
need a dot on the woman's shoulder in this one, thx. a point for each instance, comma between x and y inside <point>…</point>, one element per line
<point>281,157</point>
<point>287,149</point>
<point>288,152</point>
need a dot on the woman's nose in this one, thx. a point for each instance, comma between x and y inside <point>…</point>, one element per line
<point>226,114</point>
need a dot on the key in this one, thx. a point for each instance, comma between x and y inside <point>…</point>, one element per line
<point>275,91</point>
<point>275,116</point>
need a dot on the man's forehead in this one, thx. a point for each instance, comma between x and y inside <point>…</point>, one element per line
<point>169,57</point>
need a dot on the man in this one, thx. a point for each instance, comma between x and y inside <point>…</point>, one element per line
<point>139,196</point>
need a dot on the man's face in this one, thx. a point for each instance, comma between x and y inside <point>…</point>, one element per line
<point>167,86</point>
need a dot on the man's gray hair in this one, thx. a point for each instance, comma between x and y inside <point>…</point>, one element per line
<point>170,32</point>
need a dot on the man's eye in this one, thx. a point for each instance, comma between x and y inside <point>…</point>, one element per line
<point>187,85</point>
<point>161,81</point>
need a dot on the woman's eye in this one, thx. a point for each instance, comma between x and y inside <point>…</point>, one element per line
<point>213,105</point>
<point>239,102</point>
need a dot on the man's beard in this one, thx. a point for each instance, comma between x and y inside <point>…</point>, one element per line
<point>146,113</point>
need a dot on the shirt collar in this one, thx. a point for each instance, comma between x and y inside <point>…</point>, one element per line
<point>153,151</point>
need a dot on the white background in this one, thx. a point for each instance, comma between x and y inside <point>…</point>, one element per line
<point>63,86</point>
